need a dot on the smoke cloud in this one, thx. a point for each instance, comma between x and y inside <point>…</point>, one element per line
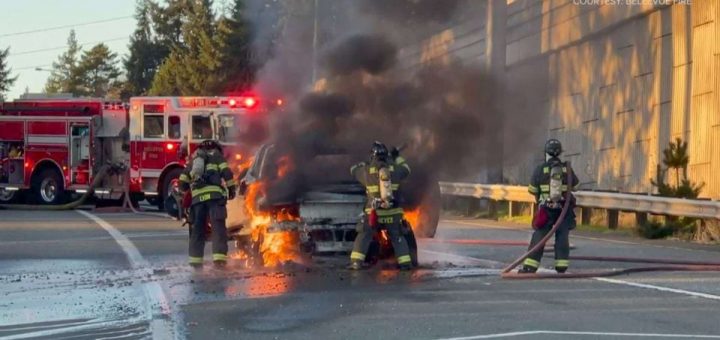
<point>446,114</point>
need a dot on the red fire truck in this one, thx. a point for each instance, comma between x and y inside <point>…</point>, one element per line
<point>50,148</point>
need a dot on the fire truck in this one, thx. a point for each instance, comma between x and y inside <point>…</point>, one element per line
<point>51,148</point>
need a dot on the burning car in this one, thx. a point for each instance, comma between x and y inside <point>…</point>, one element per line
<point>288,210</point>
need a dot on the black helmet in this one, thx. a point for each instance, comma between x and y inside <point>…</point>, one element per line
<point>553,147</point>
<point>379,151</point>
<point>210,144</point>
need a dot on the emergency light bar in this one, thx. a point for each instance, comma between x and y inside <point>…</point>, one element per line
<point>246,102</point>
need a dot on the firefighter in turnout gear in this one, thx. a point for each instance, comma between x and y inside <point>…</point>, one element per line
<point>211,184</point>
<point>381,179</point>
<point>549,184</point>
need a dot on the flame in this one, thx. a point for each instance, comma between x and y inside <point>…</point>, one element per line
<point>276,247</point>
<point>284,166</point>
<point>413,217</point>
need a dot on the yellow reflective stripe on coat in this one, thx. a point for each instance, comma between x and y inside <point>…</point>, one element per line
<point>531,263</point>
<point>386,212</point>
<point>401,162</point>
<point>211,167</point>
<point>404,259</point>
<point>395,186</point>
<point>372,170</point>
<point>195,259</point>
<point>207,190</point>
<point>546,170</point>
<point>222,165</point>
<point>219,257</point>
<point>372,188</point>
<point>545,187</point>
<point>532,189</point>
<point>231,182</point>
<point>357,256</point>
<point>562,263</point>
<point>184,178</point>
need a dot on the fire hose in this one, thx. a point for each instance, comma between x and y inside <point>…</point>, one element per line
<point>101,174</point>
<point>666,265</point>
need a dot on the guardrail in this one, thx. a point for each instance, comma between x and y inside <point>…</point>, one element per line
<point>593,199</point>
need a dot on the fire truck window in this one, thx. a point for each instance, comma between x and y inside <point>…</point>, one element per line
<point>153,126</point>
<point>201,128</point>
<point>174,127</point>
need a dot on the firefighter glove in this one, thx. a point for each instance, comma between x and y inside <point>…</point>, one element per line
<point>395,152</point>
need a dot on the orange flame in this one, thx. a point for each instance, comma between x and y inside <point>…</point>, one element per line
<point>413,217</point>
<point>275,247</point>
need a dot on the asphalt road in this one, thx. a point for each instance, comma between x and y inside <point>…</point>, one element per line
<point>87,275</point>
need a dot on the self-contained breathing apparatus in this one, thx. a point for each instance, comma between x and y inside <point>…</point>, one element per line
<point>386,200</point>
<point>199,177</point>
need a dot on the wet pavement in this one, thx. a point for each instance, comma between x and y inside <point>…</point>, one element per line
<point>80,275</point>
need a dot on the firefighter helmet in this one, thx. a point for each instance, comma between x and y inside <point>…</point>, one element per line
<point>379,151</point>
<point>210,144</point>
<point>553,147</point>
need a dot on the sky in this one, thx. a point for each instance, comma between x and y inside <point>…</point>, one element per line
<point>29,15</point>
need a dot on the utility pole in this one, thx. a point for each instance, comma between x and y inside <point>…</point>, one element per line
<point>495,50</point>
<point>314,42</point>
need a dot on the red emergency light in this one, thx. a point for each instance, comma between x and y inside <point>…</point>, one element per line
<point>249,102</point>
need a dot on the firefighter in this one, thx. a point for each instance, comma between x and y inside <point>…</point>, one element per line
<point>381,179</point>
<point>549,186</point>
<point>209,198</point>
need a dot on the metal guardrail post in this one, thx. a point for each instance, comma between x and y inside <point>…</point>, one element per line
<point>613,217</point>
<point>585,216</point>
<point>641,218</point>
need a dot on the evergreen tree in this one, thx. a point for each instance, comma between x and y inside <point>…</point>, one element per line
<point>65,76</point>
<point>145,56</point>
<point>6,81</point>
<point>237,71</point>
<point>192,67</point>
<point>98,69</point>
<point>167,22</point>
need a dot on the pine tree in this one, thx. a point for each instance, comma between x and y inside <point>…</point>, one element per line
<point>6,81</point>
<point>192,67</point>
<point>146,55</point>
<point>65,76</point>
<point>98,70</point>
<point>234,36</point>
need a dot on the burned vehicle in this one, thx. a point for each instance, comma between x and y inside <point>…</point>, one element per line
<point>313,206</point>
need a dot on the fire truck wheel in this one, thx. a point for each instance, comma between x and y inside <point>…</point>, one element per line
<point>166,189</point>
<point>48,187</point>
<point>7,196</point>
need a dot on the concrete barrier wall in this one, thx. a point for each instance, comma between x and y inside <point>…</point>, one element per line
<point>614,82</point>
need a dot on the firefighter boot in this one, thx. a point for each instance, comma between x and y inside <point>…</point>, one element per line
<point>405,266</point>
<point>560,270</point>
<point>356,265</point>
<point>527,270</point>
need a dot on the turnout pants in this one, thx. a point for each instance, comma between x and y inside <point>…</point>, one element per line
<point>393,225</point>
<point>216,211</point>
<point>562,240</point>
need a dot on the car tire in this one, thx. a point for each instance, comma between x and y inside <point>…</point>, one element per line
<point>429,212</point>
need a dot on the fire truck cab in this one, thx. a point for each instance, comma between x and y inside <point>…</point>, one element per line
<point>163,130</point>
<point>52,146</point>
